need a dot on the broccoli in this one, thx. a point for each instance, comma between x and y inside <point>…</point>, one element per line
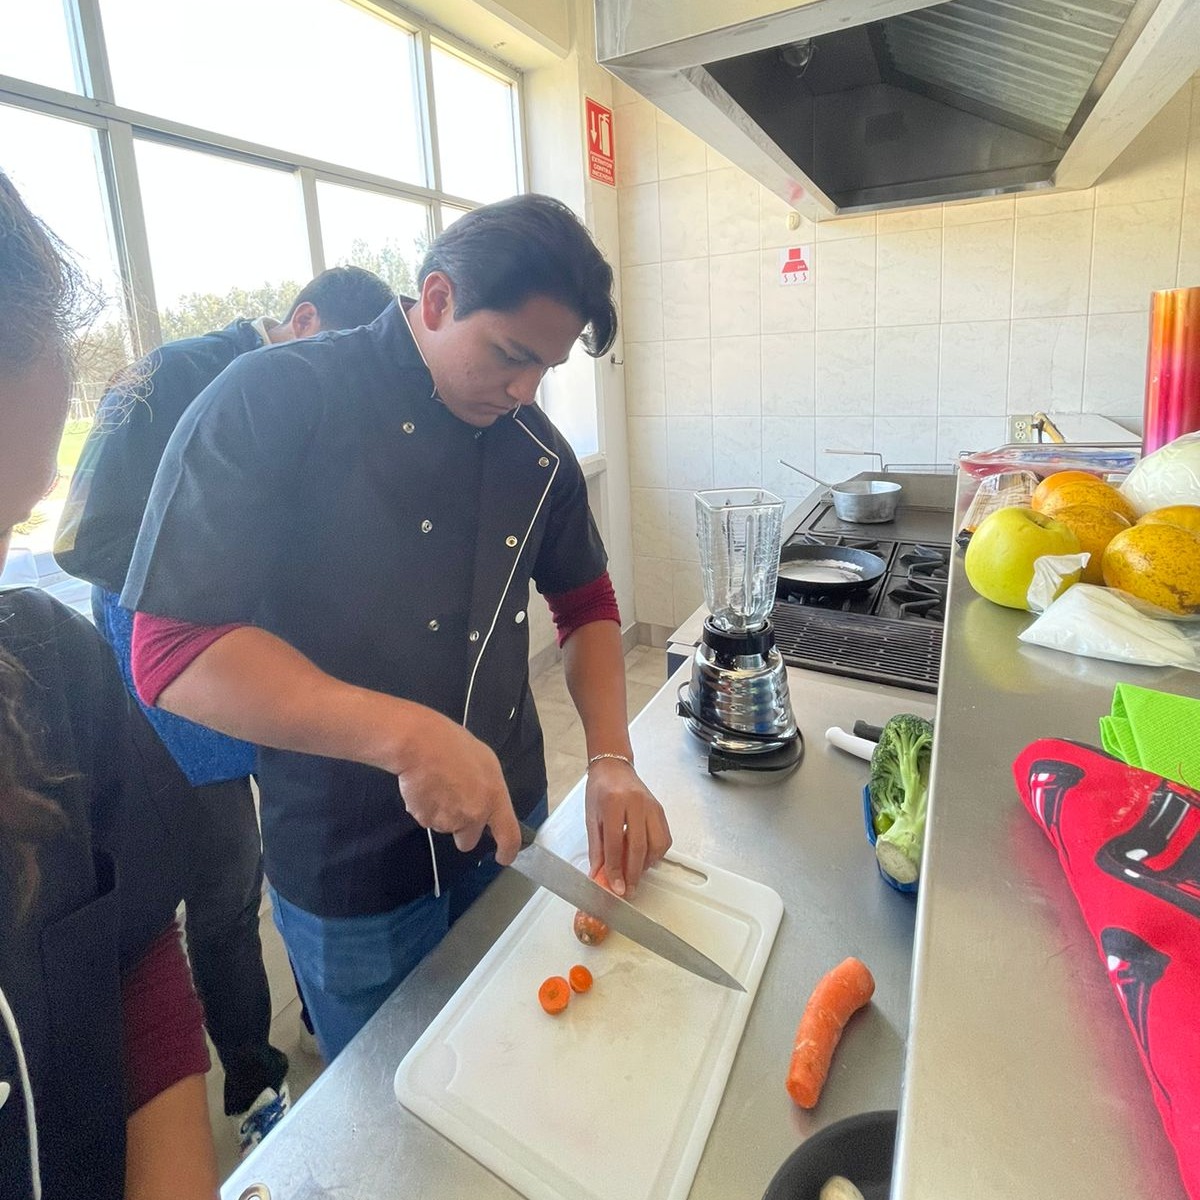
<point>899,789</point>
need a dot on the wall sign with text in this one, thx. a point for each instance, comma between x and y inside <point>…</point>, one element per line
<point>600,143</point>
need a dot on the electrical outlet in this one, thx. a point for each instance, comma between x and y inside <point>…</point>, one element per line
<point>1020,427</point>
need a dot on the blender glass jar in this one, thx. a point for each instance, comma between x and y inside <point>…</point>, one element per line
<point>739,531</point>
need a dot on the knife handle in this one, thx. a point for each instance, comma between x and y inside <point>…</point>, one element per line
<point>871,732</point>
<point>528,834</point>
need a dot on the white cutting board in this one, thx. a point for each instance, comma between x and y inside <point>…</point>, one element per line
<point>630,1074</point>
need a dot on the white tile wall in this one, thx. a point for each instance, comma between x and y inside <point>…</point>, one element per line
<point>680,152</point>
<point>918,331</point>
<point>846,372</point>
<point>906,370</point>
<point>683,214</point>
<point>908,277</point>
<point>1045,364</point>
<point>736,377</point>
<point>1062,240</point>
<point>688,378</point>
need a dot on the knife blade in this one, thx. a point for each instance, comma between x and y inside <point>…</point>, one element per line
<point>557,875</point>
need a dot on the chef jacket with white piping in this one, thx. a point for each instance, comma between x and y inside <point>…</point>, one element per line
<point>319,490</point>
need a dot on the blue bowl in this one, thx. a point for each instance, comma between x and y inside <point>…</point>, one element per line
<point>908,888</point>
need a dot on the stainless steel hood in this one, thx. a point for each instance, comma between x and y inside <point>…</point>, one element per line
<point>843,106</point>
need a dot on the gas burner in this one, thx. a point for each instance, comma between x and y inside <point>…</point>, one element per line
<point>926,561</point>
<point>805,538</point>
<point>927,564</point>
<point>844,603</point>
<point>871,544</point>
<point>918,598</point>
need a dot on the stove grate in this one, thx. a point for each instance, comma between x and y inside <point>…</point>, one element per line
<point>877,649</point>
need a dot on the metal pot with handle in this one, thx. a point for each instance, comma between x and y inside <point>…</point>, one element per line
<point>859,501</point>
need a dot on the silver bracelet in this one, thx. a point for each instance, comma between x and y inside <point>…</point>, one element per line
<point>619,757</point>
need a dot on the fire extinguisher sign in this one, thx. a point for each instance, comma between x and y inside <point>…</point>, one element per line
<point>601,165</point>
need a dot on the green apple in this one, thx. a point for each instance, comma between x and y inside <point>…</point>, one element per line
<point>1002,551</point>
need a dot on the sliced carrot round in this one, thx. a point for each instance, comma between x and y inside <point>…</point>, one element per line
<point>554,994</point>
<point>580,977</point>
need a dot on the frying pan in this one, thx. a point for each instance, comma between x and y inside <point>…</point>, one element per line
<point>826,570</point>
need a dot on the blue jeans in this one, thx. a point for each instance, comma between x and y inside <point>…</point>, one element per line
<point>203,754</point>
<point>348,966</point>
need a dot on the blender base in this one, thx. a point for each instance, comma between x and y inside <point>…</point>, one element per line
<point>783,759</point>
<point>732,750</point>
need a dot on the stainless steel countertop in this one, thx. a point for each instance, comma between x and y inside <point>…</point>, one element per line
<point>803,836</point>
<point>1021,1078</point>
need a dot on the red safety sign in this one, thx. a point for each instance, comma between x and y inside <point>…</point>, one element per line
<point>601,164</point>
<point>794,265</point>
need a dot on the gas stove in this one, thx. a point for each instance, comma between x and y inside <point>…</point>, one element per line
<point>890,632</point>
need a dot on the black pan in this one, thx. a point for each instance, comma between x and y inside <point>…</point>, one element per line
<point>826,570</point>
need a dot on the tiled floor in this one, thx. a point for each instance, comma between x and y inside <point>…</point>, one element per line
<point>645,672</point>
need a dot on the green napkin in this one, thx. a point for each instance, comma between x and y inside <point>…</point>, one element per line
<point>1156,731</point>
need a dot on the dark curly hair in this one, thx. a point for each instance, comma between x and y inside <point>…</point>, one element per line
<point>44,300</point>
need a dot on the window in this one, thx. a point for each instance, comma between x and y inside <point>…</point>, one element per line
<point>227,240</point>
<point>381,233</point>
<point>306,124</point>
<point>559,397</point>
<point>37,44</point>
<point>450,214</point>
<point>54,165</point>
<point>477,143</point>
<point>322,78</point>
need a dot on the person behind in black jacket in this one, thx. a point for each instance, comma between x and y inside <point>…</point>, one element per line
<point>95,541</point>
<point>102,1055</point>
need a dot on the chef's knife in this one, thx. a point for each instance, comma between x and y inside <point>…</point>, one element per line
<point>560,877</point>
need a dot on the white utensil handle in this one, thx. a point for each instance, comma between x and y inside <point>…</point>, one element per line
<point>859,747</point>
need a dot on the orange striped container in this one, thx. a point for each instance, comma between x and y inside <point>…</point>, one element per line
<point>1172,367</point>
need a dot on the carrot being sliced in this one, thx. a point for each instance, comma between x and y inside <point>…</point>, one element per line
<point>554,994</point>
<point>580,977</point>
<point>591,931</point>
<point>837,997</point>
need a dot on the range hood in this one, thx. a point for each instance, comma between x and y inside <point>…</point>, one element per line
<point>843,106</point>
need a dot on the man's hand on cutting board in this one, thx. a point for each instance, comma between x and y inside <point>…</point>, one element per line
<point>626,826</point>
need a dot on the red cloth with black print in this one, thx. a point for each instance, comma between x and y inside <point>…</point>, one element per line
<point>1129,842</point>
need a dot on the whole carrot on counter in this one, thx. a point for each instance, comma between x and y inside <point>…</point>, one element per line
<point>839,994</point>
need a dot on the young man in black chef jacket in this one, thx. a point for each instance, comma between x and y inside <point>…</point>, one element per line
<point>335,565</point>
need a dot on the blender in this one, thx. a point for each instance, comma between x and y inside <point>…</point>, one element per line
<point>737,700</point>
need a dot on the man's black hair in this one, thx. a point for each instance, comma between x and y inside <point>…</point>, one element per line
<point>345,297</point>
<point>501,255</point>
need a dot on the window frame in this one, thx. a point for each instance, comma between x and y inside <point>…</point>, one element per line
<point>118,128</point>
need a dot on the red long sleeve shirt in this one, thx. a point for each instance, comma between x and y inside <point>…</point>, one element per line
<point>162,1022</point>
<point>163,647</point>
